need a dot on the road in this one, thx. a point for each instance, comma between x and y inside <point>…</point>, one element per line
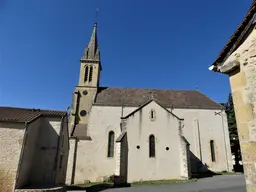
<point>223,183</point>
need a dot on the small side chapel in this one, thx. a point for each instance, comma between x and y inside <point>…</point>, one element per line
<point>141,134</point>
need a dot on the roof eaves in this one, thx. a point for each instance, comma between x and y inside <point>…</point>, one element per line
<point>136,110</point>
<point>169,106</point>
<point>230,46</point>
<point>169,111</point>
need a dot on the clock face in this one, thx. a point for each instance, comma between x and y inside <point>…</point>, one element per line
<point>83,113</point>
<point>85,92</point>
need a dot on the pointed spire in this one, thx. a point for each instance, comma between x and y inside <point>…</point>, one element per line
<point>92,51</point>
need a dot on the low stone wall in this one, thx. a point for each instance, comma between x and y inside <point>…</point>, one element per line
<point>56,189</point>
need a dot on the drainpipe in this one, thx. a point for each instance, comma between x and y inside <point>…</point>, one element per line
<point>225,144</point>
<point>21,155</point>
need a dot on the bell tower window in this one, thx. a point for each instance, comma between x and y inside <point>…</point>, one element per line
<point>86,74</point>
<point>91,72</point>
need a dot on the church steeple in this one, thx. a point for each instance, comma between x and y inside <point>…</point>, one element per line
<point>92,51</point>
<point>87,88</point>
<point>90,62</point>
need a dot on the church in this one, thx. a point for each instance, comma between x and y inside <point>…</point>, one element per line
<point>135,134</point>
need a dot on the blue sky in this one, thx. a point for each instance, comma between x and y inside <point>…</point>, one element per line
<point>165,44</point>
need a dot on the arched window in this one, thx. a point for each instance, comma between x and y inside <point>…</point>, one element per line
<point>212,151</point>
<point>152,115</point>
<point>90,75</point>
<point>86,74</point>
<point>111,142</point>
<point>152,150</point>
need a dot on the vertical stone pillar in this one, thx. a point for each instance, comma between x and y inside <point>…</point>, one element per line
<point>71,159</point>
<point>244,94</point>
<point>118,158</point>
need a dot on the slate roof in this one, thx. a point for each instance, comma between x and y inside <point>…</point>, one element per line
<point>135,97</point>
<point>232,42</point>
<point>13,114</point>
<point>80,131</point>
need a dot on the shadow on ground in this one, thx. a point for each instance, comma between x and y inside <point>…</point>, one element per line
<point>97,188</point>
<point>205,174</point>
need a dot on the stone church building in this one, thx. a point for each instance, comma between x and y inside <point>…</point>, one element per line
<point>141,134</point>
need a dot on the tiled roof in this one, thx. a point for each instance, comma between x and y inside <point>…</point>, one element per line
<point>13,114</point>
<point>231,44</point>
<point>80,131</point>
<point>133,97</point>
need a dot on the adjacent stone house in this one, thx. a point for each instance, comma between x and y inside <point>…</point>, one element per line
<point>238,60</point>
<point>33,147</point>
<point>141,134</point>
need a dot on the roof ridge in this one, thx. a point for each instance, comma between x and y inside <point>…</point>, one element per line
<point>164,89</point>
<point>23,108</point>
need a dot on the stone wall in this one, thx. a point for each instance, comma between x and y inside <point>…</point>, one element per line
<point>167,161</point>
<point>185,172</point>
<point>93,165</point>
<point>63,153</point>
<point>202,126</point>
<point>28,155</point>
<point>46,153</point>
<point>71,162</point>
<point>11,139</point>
<point>243,84</point>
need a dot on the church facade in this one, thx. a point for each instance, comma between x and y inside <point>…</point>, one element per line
<point>141,134</point>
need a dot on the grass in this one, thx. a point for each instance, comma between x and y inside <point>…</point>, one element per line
<point>228,173</point>
<point>94,183</point>
<point>163,182</point>
<point>158,182</point>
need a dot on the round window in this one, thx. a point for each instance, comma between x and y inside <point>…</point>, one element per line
<point>85,92</point>
<point>167,148</point>
<point>83,113</point>
<point>138,147</point>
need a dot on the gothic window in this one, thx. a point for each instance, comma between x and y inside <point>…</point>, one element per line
<point>152,150</point>
<point>152,115</point>
<point>86,74</point>
<point>212,151</point>
<point>111,142</point>
<point>90,74</point>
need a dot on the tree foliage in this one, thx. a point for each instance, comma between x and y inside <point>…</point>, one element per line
<point>232,126</point>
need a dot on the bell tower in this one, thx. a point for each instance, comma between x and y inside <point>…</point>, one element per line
<point>90,63</point>
<point>86,90</point>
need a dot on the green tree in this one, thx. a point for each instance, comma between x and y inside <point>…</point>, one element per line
<point>233,134</point>
<point>230,111</point>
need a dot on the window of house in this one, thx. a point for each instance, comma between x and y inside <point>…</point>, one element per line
<point>111,142</point>
<point>152,114</point>
<point>152,150</point>
<point>212,151</point>
<point>86,74</point>
<point>90,75</point>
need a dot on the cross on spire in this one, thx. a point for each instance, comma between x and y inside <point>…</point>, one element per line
<point>96,15</point>
<point>152,94</point>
